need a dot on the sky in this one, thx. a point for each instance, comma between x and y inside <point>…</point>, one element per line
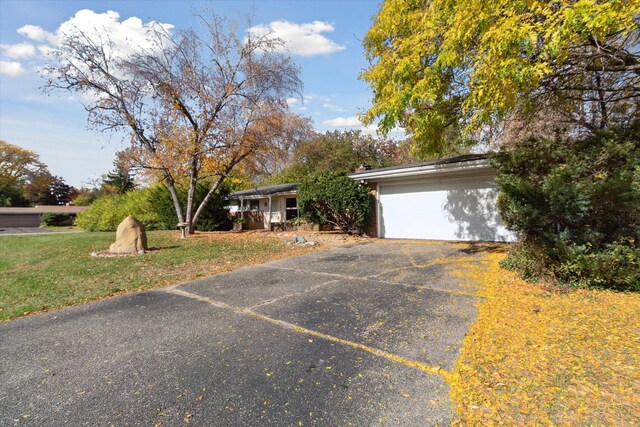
<point>324,35</point>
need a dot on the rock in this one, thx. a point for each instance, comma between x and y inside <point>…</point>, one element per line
<point>130,237</point>
<point>299,240</point>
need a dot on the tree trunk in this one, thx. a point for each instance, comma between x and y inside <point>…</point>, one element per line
<point>175,198</point>
<point>206,199</point>
<point>215,186</point>
<point>193,182</point>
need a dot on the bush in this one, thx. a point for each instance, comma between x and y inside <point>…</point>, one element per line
<point>153,207</point>
<point>614,266</point>
<point>575,206</point>
<point>215,216</point>
<point>106,213</point>
<point>85,197</point>
<point>50,218</point>
<point>334,198</point>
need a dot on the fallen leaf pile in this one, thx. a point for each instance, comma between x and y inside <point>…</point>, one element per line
<point>545,356</point>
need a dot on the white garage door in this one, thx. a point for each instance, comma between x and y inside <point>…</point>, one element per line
<point>452,209</point>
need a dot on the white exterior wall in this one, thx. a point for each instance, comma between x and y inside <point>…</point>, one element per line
<point>454,208</point>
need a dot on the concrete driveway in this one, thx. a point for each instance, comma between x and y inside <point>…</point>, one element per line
<point>355,335</point>
<point>22,230</point>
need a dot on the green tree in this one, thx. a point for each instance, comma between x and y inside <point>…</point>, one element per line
<point>453,72</point>
<point>120,179</point>
<point>339,152</point>
<point>85,196</point>
<point>575,207</point>
<point>334,198</point>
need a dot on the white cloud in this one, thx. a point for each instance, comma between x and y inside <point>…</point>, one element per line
<point>332,107</point>
<point>19,50</point>
<point>34,32</point>
<point>292,101</point>
<point>46,51</point>
<point>127,37</point>
<point>302,39</point>
<point>355,124</point>
<point>12,69</point>
<point>124,37</point>
<point>341,122</point>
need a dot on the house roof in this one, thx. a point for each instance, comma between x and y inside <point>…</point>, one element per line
<point>444,161</point>
<point>466,162</point>
<point>266,191</point>
<point>44,209</point>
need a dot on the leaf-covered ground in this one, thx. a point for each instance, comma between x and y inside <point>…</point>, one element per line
<point>41,272</point>
<point>542,356</point>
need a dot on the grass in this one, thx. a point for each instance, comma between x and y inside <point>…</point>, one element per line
<point>41,272</point>
<point>546,356</point>
<point>61,227</point>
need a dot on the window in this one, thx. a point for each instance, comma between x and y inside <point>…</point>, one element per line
<point>254,205</point>
<point>251,205</point>
<point>291,208</point>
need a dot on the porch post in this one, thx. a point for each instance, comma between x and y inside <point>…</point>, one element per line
<point>269,220</point>
<point>241,207</point>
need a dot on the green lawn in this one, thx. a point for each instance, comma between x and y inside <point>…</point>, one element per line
<point>41,272</point>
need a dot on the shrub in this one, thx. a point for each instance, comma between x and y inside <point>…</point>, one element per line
<point>575,206</point>
<point>153,207</point>
<point>334,198</point>
<point>51,218</point>
<point>214,217</point>
<point>107,212</point>
<point>85,197</point>
<point>615,266</point>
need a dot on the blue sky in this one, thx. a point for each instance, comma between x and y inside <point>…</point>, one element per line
<point>326,36</point>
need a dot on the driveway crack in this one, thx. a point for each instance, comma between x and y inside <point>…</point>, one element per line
<point>293,294</point>
<point>373,279</point>
<point>433,370</point>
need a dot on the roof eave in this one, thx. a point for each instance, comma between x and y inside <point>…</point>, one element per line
<point>262,196</point>
<point>466,166</point>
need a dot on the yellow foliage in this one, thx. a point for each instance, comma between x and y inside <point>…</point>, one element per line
<point>541,356</point>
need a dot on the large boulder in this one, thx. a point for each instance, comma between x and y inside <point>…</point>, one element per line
<point>130,237</point>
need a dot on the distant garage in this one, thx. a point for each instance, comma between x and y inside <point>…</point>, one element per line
<point>447,199</point>
<point>19,220</point>
<point>31,217</point>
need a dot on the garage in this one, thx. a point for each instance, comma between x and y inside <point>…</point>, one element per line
<point>447,199</point>
<point>19,220</point>
<point>31,217</point>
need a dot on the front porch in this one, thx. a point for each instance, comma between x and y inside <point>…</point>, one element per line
<point>268,208</point>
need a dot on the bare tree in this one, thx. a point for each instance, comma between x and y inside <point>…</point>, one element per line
<point>195,106</point>
<point>274,159</point>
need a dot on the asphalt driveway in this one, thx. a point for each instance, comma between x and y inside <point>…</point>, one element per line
<point>356,335</point>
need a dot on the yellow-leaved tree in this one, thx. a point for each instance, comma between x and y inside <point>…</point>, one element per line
<point>455,72</point>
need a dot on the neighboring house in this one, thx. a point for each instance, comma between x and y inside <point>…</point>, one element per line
<point>265,207</point>
<point>447,199</point>
<point>30,217</point>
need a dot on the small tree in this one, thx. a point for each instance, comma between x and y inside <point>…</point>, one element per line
<point>334,198</point>
<point>121,179</point>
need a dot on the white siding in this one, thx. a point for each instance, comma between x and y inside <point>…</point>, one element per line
<point>441,209</point>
